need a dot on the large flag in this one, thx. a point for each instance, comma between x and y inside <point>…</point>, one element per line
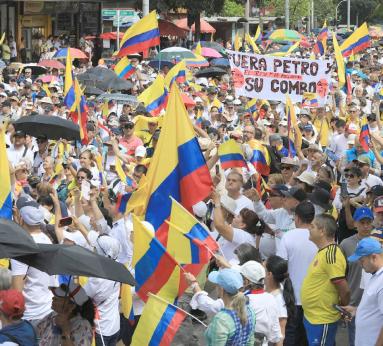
<point>153,264</point>
<point>358,41</point>
<point>124,69</point>
<point>292,124</point>
<point>364,136</point>
<point>339,62</point>
<point>320,46</point>
<point>252,44</point>
<point>5,187</point>
<point>189,241</point>
<point>231,155</point>
<point>80,113</point>
<point>261,158</point>
<point>177,73</point>
<point>69,93</point>
<point>140,36</point>
<point>158,323</point>
<point>155,97</point>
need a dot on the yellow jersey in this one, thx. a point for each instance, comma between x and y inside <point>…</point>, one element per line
<point>318,292</point>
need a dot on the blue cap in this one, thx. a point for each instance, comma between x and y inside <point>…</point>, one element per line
<point>363,213</point>
<point>308,127</point>
<point>229,279</point>
<point>366,247</point>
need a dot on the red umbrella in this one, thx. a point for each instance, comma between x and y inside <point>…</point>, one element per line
<point>51,63</point>
<point>188,102</point>
<point>47,78</point>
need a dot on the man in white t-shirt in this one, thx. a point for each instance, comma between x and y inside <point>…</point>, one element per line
<point>368,178</point>
<point>299,251</point>
<point>234,183</point>
<point>338,142</point>
<point>32,282</point>
<point>369,313</point>
<point>18,150</point>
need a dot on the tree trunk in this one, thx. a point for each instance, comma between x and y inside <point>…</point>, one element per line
<point>197,24</point>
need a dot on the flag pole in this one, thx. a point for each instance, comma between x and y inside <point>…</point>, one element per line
<point>177,307</point>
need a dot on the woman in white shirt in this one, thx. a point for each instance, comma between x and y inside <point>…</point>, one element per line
<point>233,230</point>
<point>280,286</point>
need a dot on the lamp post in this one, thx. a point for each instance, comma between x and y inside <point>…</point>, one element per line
<point>336,12</point>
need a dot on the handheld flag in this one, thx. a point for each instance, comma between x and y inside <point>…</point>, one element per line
<point>124,69</point>
<point>5,187</point>
<point>127,303</point>
<point>80,114</point>
<point>237,42</point>
<point>252,44</point>
<point>364,136</point>
<point>358,41</point>
<point>320,46</point>
<point>231,155</point>
<point>155,97</point>
<point>69,93</point>
<point>198,49</point>
<point>2,38</point>
<point>153,264</point>
<point>177,73</point>
<point>309,100</point>
<point>292,123</point>
<point>258,34</point>
<point>140,36</point>
<point>339,62</point>
<point>261,157</point>
<point>158,323</point>
<point>251,106</point>
<point>189,241</point>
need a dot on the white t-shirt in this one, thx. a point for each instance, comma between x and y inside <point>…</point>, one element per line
<point>239,237</point>
<point>369,315</point>
<point>371,181</point>
<point>15,155</point>
<point>243,202</point>
<point>38,297</point>
<point>299,251</point>
<point>338,144</point>
<point>281,304</point>
<point>104,294</point>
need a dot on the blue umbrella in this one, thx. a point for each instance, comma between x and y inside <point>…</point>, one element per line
<point>74,53</point>
<point>220,62</point>
<point>159,64</point>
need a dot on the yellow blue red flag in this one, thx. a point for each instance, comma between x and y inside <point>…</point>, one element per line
<point>261,157</point>
<point>177,73</point>
<point>69,92</point>
<point>140,36</point>
<point>231,155</point>
<point>124,69</point>
<point>358,41</point>
<point>320,46</point>
<point>80,113</point>
<point>155,97</point>
<point>189,241</point>
<point>5,187</point>
<point>364,136</point>
<point>339,62</point>
<point>158,323</point>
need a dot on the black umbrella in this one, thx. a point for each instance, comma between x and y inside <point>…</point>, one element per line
<point>210,72</point>
<point>118,84</point>
<point>14,240</point>
<point>51,126</point>
<point>75,260</point>
<point>91,90</point>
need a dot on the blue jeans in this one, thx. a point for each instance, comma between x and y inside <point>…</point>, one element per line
<point>320,334</point>
<point>108,340</point>
<point>351,332</point>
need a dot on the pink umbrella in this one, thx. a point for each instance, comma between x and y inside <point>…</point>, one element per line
<point>47,78</point>
<point>210,53</point>
<point>51,63</point>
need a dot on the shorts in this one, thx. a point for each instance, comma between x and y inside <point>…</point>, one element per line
<point>320,334</point>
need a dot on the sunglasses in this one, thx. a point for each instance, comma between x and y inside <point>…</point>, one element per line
<point>285,168</point>
<point>128,126</point>
<point>80,177</point>
<point>349,175</point>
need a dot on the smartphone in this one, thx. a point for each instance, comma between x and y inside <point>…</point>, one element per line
<point>342,311</point>
<point>216,169</point>
<point>343,189</point>
<point>66,221</point>
<point>85,190</point>
<point>112,168</point>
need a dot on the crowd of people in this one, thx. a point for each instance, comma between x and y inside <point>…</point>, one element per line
<point>295,262</point>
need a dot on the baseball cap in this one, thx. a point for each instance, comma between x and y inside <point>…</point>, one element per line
<point>376,190</point>
<point>253,271</point>
<point>278,189</point>
<point>308,127</point>
<point>363,213</point>
<point>12,303</point>
<point>229,279</point>
<point>74,292</point>
<point>378,204</point>
<point>200,209</point>
<point>367,246</point>
<point>104,244</point>
<point>363,159</point>
<point>19,133</point>
<point>296,193</point>
<point>377,234</point>
<point>140,151</point>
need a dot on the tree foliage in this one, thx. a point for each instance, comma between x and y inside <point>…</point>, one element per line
<point>232,8</point>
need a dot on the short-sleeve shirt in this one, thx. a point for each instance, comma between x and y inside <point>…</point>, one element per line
<point>318,293</point>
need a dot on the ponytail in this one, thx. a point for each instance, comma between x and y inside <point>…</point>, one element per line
<point>238,304</point>
<point>288,296</point>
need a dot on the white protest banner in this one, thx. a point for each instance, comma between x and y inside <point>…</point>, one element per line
<point>272,78</point>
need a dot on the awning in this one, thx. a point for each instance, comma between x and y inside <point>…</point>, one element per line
<point>170,29</point>
<point>206,28</point>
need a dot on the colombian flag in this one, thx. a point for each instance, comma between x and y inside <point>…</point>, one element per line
<point>358,41</point>
<point>191,241</point>
<point>124,69</point>
<point>292,123</point>
<point>339,61</point>
<point>80,113</point>
<point>140,36</point>
<point>261,158</point>
<point>155,97</point>
<point>69,93</point>
<point>158,324</point>
<point>321,44</point>
<point>364,136</point>
<point>251,106</point>
<point>231,155</point>
<point>177,73</point>
<point>5,187</point>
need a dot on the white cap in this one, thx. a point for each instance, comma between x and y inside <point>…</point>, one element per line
<point>237,102</point>
<point>76,237</point>
<point>46,100</point>
<point>229,204</point>
<point>253,271</point>
<point>229,98</point>
<point>140,151</point>
<point>307,177</point>
<point>200,209</point>
<point>104,244</point>
<point>283,123</point>
<point>198,99</point>
<point>202,80</point>
<point>351,139</point>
